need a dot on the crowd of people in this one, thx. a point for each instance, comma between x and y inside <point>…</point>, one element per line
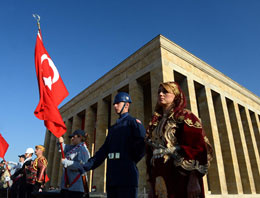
<point>175,147</point>
<point>26,176</point>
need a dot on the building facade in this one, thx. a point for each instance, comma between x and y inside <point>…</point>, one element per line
<point>230,115</point>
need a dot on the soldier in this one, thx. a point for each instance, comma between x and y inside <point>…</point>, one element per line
<point>73,180</point>
<point>40,165</point>
<point>123,148</point>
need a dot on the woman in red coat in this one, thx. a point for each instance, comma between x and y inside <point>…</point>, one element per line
<point>178,152</point>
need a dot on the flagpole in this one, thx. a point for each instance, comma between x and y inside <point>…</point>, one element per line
<point>66,178</point>
<point>37,18</point>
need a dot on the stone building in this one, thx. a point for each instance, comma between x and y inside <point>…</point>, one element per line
<point>230,115</point>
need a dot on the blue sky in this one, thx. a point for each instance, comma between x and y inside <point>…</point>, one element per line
<point>86,39</point>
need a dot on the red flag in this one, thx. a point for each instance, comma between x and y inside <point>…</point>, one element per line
<point>52,90</point>
<point>3,146</point>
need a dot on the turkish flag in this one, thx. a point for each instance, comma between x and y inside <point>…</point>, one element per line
<point>3,146</point>
<point>51,88</point>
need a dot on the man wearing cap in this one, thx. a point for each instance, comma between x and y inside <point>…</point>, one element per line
<point>40,165</point>
<point>28,175</point>
<point>18,165</point>
<point>124,148</point>
<point>73,178</point>
<point>17,180</point>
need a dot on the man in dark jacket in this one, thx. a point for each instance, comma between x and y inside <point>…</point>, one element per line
<point>124,148</point>
<point>15,188</point>
<point>28,175</point>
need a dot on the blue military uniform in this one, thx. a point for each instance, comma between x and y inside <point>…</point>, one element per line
<point>124,147</point>
<point>72,184</point>
<point>75,155</point>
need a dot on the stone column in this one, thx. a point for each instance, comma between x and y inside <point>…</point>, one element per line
<point>114,116</point>
<point>167,73</point>
<point>254,157</point>
<point>244,146</point>
<point>50,158</point>
<point>47,142</point>
<point>256,151</point>
<point>68,132</point>
<point>194,109</point>
<point>217,145</point>
<point>137,106</point>
<point>232,146</point>
<point>192,94</point>
<point>55,166</point>
<point>225,145</point>
<point>60,172</point>
<point>90,122</point>
<point>76,123</point>
<point>90,125</point>
<point>137,111</point>
<point>256,124</point>
<point>102,120</point>
<point>156,77</point>
<point>257,121</point>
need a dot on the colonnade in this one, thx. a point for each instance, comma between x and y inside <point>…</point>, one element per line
<point>232,127</point>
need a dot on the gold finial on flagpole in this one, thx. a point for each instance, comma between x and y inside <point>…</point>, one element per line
<point>37,18</point>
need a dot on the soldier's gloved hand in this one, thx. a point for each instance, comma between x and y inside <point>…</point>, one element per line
<point>7,179</point>
<point>65,162</point>
<point>86,167</point>
<point>81,169</point>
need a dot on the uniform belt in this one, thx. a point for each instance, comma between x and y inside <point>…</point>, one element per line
<point>113,156</point>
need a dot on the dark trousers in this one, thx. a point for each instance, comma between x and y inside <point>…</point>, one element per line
<point>15,188</point>
<point>28,191</point>
<point>122,192</point>
<point>71,194</point>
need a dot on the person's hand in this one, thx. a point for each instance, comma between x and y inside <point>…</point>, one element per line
<point>193,188</point>
<point>7,179</point>
<point>86,167</point>
<point>61,140</point>
<point>81,169</point>
<point>157,153</point>
<point>63,161</point>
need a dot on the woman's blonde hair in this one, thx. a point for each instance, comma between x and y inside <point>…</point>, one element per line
<point>179,101</point>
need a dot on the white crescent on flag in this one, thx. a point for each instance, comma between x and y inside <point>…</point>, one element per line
<point>48,81</point>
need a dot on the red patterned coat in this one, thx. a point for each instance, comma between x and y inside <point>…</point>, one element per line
<point>183,135</point>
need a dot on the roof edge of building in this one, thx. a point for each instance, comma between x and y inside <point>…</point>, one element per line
<point>205,67</point>
<point>141,49</point>
<point>185,55</point>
